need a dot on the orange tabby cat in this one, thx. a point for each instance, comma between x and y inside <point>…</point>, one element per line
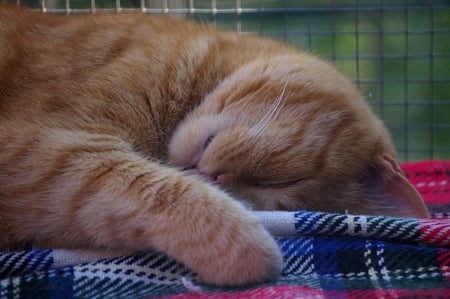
<point>134,132</point>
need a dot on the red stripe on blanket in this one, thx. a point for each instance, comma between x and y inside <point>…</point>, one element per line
<point>444,264</point>
<point>291,292</point>
<point>431,178</point>
<point>435,232</point>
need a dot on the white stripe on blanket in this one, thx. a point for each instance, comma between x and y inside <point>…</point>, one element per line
<point>65,257</point>
<point>278,223</point>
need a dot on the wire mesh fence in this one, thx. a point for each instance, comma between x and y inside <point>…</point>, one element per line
<point>398,52</point>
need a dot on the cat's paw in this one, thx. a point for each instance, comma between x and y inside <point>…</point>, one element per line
<point>242,253</point>
<point>214,235</point>
<point>256,259</point>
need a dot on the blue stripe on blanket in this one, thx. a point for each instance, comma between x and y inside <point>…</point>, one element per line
<point>327,252</point>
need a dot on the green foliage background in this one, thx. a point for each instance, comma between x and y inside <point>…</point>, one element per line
<point>398,52</point>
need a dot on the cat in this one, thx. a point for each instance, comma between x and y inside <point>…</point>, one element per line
<point>131,132</point>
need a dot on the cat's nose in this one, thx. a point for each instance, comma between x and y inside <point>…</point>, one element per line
<point>218,178</point>
<point>222,179</point>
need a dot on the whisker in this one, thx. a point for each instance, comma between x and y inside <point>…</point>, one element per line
<point>274,110</point>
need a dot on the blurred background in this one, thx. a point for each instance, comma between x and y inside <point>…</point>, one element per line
<point>398,52</point>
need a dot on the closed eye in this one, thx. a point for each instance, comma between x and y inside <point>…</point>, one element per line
<point>277,185</point>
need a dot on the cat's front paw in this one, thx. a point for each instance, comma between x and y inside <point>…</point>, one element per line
<point>245,254</point>
<point>214,235</point>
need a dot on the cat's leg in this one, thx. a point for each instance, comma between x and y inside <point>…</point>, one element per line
<point>78,189</point>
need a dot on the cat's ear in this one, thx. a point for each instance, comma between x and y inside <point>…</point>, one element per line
<point>390,191</point>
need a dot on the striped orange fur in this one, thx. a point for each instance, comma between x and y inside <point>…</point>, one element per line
<point>125,131</point>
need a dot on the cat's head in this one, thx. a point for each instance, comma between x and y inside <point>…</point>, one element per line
<point>291,133</point>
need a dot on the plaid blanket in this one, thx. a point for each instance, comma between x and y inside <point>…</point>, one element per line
<point>326,256</point>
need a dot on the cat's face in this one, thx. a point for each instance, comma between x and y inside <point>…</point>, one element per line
<point>286,135</point>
